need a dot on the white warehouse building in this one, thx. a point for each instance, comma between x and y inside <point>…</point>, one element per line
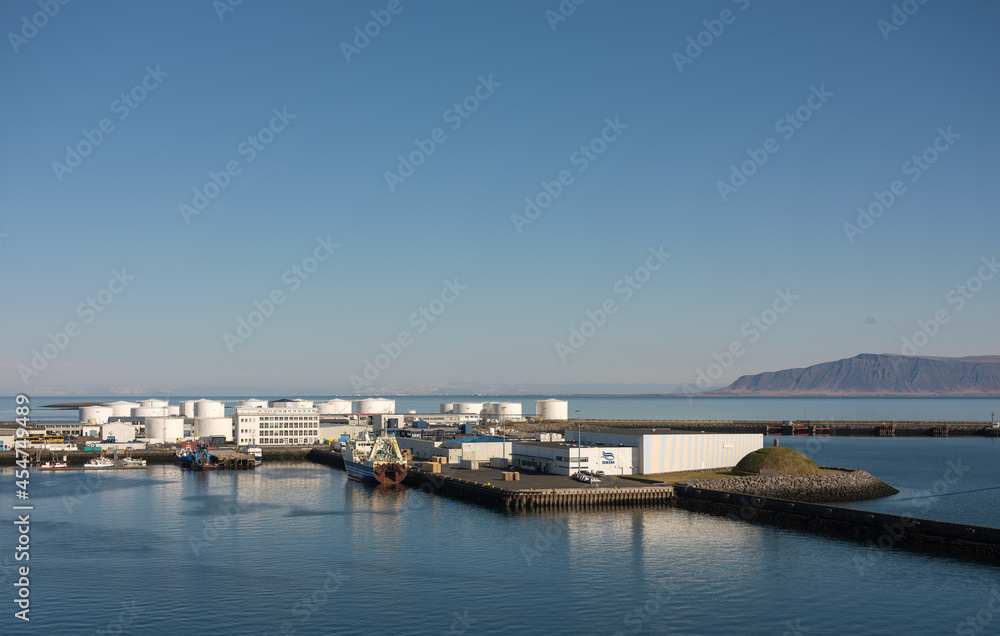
<point>560,458</point>
<point>281,422</point>
<point>667,451</point>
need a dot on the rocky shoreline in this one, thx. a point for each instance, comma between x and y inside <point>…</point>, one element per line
<point>845,485</point>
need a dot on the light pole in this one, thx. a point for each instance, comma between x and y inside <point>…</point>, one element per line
<point>579,447</point>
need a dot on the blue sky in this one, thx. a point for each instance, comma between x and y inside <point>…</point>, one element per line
<point>213,83</point>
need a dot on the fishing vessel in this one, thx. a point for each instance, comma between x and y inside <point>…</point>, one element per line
<point>193,457</point>
<point>131,462</point>
<point>99,462</point>
<point>53,464</point>
<point>374,459</point>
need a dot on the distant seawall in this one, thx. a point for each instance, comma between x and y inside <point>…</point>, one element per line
<point>837,428</point>
<point>151,455</point>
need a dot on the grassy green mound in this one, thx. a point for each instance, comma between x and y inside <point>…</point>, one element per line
<point>781,460</point>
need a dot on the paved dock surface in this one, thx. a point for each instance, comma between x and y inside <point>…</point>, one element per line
<point>536,481</point>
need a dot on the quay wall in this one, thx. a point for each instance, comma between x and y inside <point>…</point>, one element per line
<point>876,529</point>
<point>151,455</point>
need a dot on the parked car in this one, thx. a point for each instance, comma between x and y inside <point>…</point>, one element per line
<point>594,480</point>
<point>598,473</point>
<point>581,477</point>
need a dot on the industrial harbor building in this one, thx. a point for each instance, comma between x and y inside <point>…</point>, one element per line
<point>665,451</point>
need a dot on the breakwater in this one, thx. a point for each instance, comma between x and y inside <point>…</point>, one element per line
<point>839,428</point>
<point>845,485</point>
<point>877,530</point>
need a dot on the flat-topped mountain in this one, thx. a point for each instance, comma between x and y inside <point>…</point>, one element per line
<point>879,374</point>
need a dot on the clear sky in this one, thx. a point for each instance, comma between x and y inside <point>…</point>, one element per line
<point>642,124</point>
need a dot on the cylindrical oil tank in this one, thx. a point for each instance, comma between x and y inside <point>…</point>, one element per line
<point>506,409</point>
<point>466,408</point>
<point>372,406</point>
<point>164,429</point>
<point>253,403</point>
<point>209,408</point>
<point>187,408</point>
<point>122,408</point>
<point>174,410</point>
<point>99,414</point>
<point>299,403</point>
<point>153,403</point>
<point>334,407</point>
<point>149,411</point>
<point>213,427</point>
<point>447,407</point>
<point>552,409</point>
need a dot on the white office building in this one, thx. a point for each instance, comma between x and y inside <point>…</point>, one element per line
<point>277,423</point>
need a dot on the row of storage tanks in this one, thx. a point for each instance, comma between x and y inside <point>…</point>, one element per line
<point>336,406</point>
<point>550,409</point>
<point>165,421</point>
<point>152,408</point>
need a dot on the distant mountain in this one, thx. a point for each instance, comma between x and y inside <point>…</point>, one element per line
<point>879,374</point>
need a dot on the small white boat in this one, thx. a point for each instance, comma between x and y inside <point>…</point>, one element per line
<point>256,453</point>
<point>130,462</point>
<point>99,462</point>
<point>52,464</point>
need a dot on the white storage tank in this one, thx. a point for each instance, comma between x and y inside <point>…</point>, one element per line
<point>187,408</point>
<point>122,408</point>
<point>214,427</point>
<point>467,408</point>
<point>164,429</point>
<point>99,414</point>
<point>299,403</point>
<point>372,406</point>
<point>334,407</point>
<point>552,409</point>
<point>505,410</point>
<point>153,403</point>
<point>209,408</point>
<point>174,410</point>
<point>149,411</point>
<point>447,407</point>
<point>253,403</point>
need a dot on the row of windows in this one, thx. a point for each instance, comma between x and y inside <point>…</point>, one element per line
<point>280,418</point>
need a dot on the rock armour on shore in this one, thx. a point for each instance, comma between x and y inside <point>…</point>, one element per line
<point>850,485</point>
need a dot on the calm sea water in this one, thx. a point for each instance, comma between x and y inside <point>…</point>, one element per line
<point>297,548</point>
<point>640,408</point>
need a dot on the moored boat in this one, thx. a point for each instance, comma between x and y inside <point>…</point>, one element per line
<point>53,464</point>
<point>99,462</point>
<point>375,460</point>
